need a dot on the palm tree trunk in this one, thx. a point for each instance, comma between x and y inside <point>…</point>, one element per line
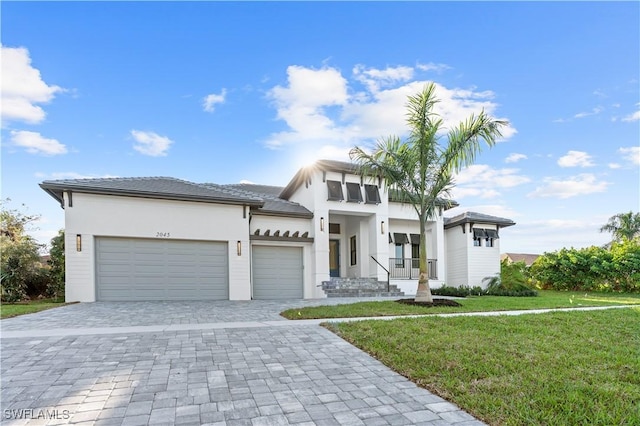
<point>424,292</point>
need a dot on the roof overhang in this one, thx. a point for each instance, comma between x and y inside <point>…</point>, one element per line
<point>56,190</point>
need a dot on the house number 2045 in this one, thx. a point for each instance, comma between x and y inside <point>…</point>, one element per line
<point>163,234</point>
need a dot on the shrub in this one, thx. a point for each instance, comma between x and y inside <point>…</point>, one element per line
<point>462,291</point>
<point>590,269</point>
<point>497,286</point>
<point>55,288</point>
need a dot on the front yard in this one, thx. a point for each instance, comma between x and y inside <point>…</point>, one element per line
<point>546,299</point>
<point>543,369</point>
<point>15,309</point>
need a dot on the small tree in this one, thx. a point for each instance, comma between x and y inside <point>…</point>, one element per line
<point>20,259</point>
<point>56,263</point>
<point>623,226</point>
<point>421,169</point>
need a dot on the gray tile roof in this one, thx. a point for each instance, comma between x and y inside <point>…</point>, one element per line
<point>152,187</point>
<point>273,204</point>
<point>469,217</point>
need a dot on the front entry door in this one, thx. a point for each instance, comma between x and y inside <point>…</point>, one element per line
<point>334,258</point>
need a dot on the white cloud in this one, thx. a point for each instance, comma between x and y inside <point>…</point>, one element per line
<point>538,236</point>
<point>150,143</point>
<point>35,143</point>
<point>320,108</point>
<point>614,166</point>
<point>484,181</point>
<point>631,154</point>
<point>71,175</point>
<point>210,101</point>
<point>374,78</point>
<point>515,157</point>
<point>632,117</point>
<point>594,111</point>
<point>23,88</point>
<point>433,67</point>
<point>581,184</point>
<point>575,159</point>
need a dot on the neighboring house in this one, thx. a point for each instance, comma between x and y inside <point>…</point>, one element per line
<point>160,238</point>
<point>527,258</point>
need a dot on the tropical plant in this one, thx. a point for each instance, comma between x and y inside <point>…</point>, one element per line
<point>420,170</point>
<point>19,259</point>
<point>623,226</point>
<point>56,263</point>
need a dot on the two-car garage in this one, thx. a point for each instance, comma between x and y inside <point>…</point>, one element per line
<point>135,269</point>
<point>146,269</point>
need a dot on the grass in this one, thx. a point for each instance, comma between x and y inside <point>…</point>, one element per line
<point>14,309</point>
<point>545,369</point>
<point>546,299</point>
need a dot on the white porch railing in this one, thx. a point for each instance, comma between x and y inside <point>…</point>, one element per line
<point>409,269</point>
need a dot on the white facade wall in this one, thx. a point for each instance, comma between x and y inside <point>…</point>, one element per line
<point>94,216</point>
<point>483,261</point>
<point>457,246</point>
<point>466,263</point>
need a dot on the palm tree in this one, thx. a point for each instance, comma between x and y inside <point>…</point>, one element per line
<point>623,226</point>
<point>420,170</point>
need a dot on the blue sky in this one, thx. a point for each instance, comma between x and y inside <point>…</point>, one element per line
<point>230,92</point>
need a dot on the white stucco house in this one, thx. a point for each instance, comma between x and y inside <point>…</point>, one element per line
<point>160,238</point>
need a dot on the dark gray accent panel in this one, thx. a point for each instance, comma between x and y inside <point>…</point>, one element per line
<point>277,272</point>
<point>145,269</point>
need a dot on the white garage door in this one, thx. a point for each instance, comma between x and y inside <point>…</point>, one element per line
<point>277,272</point>
<point>139,269</point>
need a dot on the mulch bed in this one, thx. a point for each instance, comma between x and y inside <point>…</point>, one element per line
<point>436,302</point>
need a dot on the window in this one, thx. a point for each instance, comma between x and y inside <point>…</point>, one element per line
<point>334,228</point>
<point>399,255</point>
<point>372,194</point>
<point>335,190</point>
<point>478,235</point>
<point>354,253</point>
<point>415,255</point>
<point>400,238</point>
<point>492,235</point>
<point>354,195</point>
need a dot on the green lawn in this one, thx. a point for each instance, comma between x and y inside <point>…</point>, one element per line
<point>15,309</point>
<point>561,368</point>
<point>546,299</point>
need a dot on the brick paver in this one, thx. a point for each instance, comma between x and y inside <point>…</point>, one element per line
<point>227,376</point>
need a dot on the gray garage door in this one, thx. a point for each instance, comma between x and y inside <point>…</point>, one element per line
<point>277,272</point>
<point>139,269</point>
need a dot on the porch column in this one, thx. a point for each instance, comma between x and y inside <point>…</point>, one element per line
<point>438,233</point>
<point>320,249</point>
<point>378,231</point>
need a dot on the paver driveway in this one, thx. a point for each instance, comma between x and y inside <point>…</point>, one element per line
<point>209,374</point>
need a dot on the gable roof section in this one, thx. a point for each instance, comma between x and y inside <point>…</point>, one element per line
<point>273,204</point>
<point>305,174</point>
<point>527,258</point>
<point>473,217</point>
<point>151,187</point>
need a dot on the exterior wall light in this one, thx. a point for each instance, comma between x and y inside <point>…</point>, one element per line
<point>322,224</point>
<point>382,227</point>
<point>78,242</point>
<point>239,248</point>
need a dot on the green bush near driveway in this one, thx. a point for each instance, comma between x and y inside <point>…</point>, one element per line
<point>561,368</point>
